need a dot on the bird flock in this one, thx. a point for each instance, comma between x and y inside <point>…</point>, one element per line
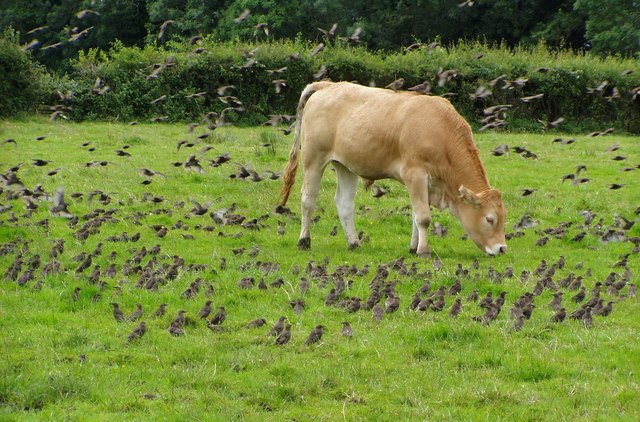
<point>150,268</point>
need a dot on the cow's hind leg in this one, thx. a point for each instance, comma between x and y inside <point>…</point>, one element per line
<point>418,186</point>
<point>413,246</point>
<point>345,194</point>
<point>310,188</point>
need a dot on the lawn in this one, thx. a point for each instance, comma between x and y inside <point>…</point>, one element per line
<point>66,357</point>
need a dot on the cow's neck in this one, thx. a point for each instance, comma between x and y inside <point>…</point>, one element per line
<point>463,168</point>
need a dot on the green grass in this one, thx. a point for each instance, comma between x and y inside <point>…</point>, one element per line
<point>410,366</point>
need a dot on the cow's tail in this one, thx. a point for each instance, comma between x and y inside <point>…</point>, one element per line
<point>289,177</point>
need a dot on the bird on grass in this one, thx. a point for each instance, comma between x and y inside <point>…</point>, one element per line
<point>278,327</point>
<point>219,317</point>
<point>205,310</point>
<point>378,311</point>
<point>346,331</point>
<point>315,335</point>
<point>117,313</point>
<point>285,335</point>
<point>137,332</point>
<point>175,330</point>
<point>160,311</point>
<point>559,316</point>
<point>456,308</point>
<point>136,314</point>
<point>256,323</point>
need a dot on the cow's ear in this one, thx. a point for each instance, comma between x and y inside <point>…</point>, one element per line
<point>469,196</point>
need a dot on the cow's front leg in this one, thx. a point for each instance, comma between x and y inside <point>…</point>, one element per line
<point>418,186</point>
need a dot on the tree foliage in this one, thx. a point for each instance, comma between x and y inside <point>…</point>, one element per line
<point>607,26</point>
<point>612,26</point>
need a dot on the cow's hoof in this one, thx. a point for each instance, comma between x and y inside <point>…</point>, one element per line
<point>354,246</point>
<point>412,251</point>
<point>426,254</point>
<point>304,243</point>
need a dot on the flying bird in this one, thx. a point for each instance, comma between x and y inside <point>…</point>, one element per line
<point>163,28</point>
<point>243,16</point>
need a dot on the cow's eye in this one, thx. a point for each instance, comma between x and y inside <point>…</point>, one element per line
<point>490,219</point>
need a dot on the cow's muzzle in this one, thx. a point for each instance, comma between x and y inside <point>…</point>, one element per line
<point>496,250</point>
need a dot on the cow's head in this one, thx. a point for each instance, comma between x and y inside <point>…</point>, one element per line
<point>483,217</point>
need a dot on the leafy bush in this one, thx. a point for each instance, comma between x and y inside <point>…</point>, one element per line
<point>20,79</point>
<point>564,77</point>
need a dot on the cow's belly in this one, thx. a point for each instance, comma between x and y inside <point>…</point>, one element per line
<point>367,152</point>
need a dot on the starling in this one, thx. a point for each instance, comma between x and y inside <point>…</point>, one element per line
<point>346,331</point>
<point>160,311</point>
<point>425,304</point>
<point>256,323</point>
<point>284,336</point>
<point>559,316</point>
<point>606,309</point>
<point>415,301</point>
<point>438,304</point>
<point>527,310</point>
<point>587,320</point>
<point>575,283</point>
<point>456,308</point>
<point>473,296</point>
<point>25,277</point>
<point>331,297</point>
<point>518,323</point>
<point>396,85</point>
<point>135,315</point>
<point>556,301</point>
<point>205,311</point>
<point>377,312</point>
<point>426,288</point>
<point>219,317</point>
<point>487,300</point>
<point>59,208</point>
<point>455,288</point>
<point>175,330</point>
<point>379,191</point>
<point>391,304</point>
<point>179,319</point>
<point>86,263</point>
<point>76,293</point>
<point>137,332</point>
<point>353,305</point>
<point>315,335</point>
<point>579,297</point>
<point>578,313</point>
<point>297,305</point>
<point>538,289</point>
<point>278,327</point>
<point>117,313</point>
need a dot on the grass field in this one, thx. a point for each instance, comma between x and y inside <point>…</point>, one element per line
<point>65,357</point>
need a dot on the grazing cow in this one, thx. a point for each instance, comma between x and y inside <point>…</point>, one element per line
<point>418,140</point>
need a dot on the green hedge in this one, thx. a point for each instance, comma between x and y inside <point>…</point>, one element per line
<point>21,80</point>
<point>565,85</point>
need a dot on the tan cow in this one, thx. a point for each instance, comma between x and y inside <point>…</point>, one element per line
<point>418,140</point>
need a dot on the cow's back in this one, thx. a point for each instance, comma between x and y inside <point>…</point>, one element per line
<point>377,132</point>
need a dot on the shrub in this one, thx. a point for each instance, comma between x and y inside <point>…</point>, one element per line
<point>565,84</point>
<point>20,79</point>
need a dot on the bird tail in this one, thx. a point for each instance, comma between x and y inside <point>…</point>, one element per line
<point>290,171</point>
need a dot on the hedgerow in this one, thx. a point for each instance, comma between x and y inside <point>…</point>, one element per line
<point>564,77</point>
